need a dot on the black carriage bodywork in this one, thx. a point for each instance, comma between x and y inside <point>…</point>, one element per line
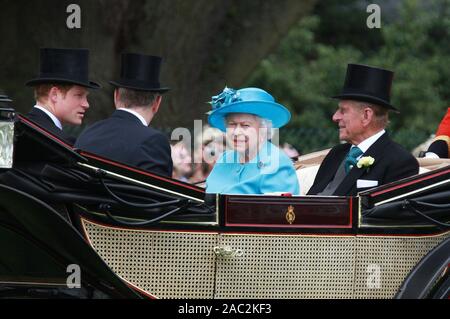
<point>97,199</point>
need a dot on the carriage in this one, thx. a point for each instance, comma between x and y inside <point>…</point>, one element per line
<point>133,234</point>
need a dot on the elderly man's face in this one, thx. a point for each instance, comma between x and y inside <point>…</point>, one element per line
<point>349,118</point>
<point>244,132</point>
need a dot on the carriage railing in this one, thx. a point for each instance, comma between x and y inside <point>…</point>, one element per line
<point>131,197</point>
<point>7,116</point>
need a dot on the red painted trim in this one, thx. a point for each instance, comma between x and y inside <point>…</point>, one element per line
<point>288,226</point>
<point>146,229</point>
<point>409,183</point>
<point>210,232</point>
<point>84,233</point>
<point>401,235</point>
<point>96,157</point>
<point>42,130</point>
<point>348,226</point>
<point>351,212</point>
<point>234,232</point>
<point>82,153</point>
<point>286,234</point>
<point>226,211</point>
<point>141,291</point>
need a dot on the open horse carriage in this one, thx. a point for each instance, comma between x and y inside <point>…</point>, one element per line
<point>134,234</point>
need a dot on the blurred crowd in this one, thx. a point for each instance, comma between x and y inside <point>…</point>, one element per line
<point>194,166</point>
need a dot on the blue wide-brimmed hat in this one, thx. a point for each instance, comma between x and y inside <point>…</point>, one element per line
<point>249,100</point>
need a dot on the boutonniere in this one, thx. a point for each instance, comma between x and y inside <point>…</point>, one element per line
<point>365,162</point>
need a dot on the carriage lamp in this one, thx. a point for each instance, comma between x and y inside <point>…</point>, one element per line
<point>7,116</point>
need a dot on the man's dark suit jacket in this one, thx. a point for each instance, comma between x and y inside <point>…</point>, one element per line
<point>392,162</point>
<point>124,138</point>
<point>43,120</point>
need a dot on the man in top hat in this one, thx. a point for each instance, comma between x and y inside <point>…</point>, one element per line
<point>369,158</point>
<point>126,136</point>
<point>440,147</point>
<point>61,90</point>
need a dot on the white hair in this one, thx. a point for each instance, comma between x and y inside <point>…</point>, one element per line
<point>267,124</point>
<point>381,114</point>
<point>264,123</point>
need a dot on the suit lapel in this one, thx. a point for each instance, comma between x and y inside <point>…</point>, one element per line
<point>43,120</point>
<point>41,117</point>
<point>376,151</point>
<point>330,169</point>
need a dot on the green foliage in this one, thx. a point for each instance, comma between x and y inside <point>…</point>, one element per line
<point>307,69</point>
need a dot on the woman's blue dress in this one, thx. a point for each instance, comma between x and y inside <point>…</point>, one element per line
<point>271,171</point>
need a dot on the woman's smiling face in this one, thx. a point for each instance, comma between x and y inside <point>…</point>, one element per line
<point>244,132</point>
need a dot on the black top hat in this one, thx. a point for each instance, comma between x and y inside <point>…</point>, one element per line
<point>64,66</point>
<point>368,84</point>
<point>140,72</point>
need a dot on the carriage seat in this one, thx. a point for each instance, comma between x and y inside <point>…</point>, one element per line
<point>308,165</point>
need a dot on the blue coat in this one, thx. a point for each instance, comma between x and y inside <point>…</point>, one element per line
<point>43,120</point>
<point>124,138</point>
<point>269,172</point>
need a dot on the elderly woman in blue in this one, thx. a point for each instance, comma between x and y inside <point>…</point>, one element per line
<point>254,165</point>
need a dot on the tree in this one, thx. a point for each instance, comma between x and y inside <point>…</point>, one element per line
<point>308,68</point>
<point>205,44</point>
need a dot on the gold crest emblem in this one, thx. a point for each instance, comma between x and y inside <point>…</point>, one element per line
<point>290,215</point>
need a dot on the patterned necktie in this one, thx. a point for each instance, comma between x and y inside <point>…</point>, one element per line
<point>350,159</point>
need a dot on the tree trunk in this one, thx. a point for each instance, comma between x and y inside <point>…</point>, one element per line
<point>206,44</point>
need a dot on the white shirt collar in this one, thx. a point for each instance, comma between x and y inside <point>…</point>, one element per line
<point>139,116</point>
<point>364,145</point>
<point>50,114</point>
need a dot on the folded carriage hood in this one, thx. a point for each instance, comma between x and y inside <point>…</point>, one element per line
<point>37,245</point>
